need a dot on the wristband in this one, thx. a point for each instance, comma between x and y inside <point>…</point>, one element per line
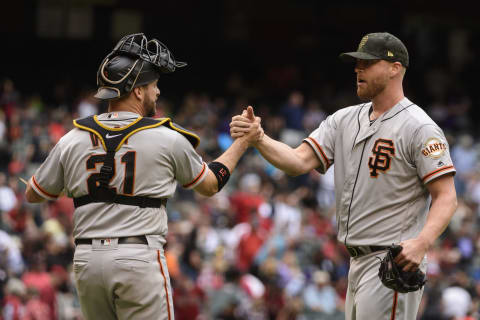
<point>221,173</point>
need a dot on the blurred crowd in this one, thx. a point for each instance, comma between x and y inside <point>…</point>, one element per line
<point>263,248</point>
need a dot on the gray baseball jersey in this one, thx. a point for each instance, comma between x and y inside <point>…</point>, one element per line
<point>158,157</point>
<point>381,170</point>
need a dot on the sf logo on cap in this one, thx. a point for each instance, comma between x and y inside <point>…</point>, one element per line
<point>362,42</point>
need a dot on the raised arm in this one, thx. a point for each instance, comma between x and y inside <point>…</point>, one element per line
<point>210,185</point>
<point>221,167</point>
<point>294,162</point>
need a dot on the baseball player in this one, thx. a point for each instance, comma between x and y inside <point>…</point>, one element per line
<point>120,168</point>
<point>393,176</point>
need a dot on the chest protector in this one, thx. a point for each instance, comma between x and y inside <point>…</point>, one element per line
<point>112,139</point>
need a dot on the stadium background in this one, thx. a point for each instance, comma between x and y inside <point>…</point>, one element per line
<point>265,247</point>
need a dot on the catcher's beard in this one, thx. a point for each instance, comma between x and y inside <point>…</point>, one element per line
<point>151,113</point>
<point>150,108</point>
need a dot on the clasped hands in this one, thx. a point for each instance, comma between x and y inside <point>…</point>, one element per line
<point>247,125</point>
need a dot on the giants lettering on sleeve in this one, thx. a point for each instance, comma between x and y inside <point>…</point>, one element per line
<point>434,148</point>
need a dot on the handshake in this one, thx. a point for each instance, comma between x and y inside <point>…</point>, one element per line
<point>247,126</point>
<point>246,129</point>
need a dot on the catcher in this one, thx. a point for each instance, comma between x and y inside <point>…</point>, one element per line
<point>120,168</point>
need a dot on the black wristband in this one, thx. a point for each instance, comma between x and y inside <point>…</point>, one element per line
<point>221,173</point>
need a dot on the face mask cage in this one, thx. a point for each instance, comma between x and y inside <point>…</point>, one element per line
<point>153,51</point>
<point>140,50</point>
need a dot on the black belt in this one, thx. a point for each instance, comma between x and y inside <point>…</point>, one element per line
<point>121,240</point>
<point>142,202</point>
<point>363,250</point>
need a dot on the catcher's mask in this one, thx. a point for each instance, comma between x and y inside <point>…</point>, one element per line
<point>135,61</point>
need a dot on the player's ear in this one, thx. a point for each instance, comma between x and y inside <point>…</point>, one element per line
<point>138,92</point>
<point>395,68</point>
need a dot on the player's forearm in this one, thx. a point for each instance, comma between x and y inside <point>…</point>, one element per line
<point>280,155</point>
<point>214,180</point>
<point>441,212</point>
<point>231,156</point>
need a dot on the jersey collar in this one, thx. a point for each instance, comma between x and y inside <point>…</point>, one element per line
<point>118,115</point>
<point>395,109</point>
<point>405,102</point>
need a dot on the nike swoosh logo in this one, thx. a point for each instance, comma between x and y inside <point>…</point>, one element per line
<point>108,136</point>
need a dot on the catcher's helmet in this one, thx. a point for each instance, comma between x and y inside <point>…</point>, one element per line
<point>133,62</point>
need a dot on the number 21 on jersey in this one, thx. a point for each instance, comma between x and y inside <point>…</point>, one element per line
<point>128,160</point>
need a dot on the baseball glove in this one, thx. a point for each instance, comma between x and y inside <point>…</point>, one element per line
<point>393,277</point>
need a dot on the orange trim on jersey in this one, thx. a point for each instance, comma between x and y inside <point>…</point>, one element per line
<point>436,171</point>
<point>394,307</point>
<point>196,178</point>
<point>321,151</point>
<point>165,285</point>
<point>41,189</point>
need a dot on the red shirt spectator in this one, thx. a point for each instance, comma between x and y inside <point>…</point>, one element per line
<point>248,247</point>
<point>38,280</point>
<point>37,310</point>
<point>248,199</point>
<point>13,303</point>
<point>13,308</point>
<point>188,299</point>
<point>244,203</point>
<point>56,131</point>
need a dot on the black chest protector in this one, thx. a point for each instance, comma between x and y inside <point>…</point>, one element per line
<point>112,139</point>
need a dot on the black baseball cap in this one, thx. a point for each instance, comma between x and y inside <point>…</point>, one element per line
<point>380,45</point>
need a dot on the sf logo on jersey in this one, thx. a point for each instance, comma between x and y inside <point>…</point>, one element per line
<point>383,150</point>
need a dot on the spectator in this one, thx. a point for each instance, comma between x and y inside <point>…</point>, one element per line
<point>8,200</point>
<point>249,245</point>
<point>247,199</point>
<point>88,105</point>
<point>11,260</point>
<point>40,286</point>
<point>320,297</point>
<point>465,157</point>
<point>36,308</point>
<point>14,301</point>
<point>313,116</point>
<point>293,112</point>
<point>456,302</point>
<point>231,301</point>
<point>3,129</point>
<point>274,233</point>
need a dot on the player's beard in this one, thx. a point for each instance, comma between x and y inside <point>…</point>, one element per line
<point>150,107</point>
<point>372,88</point>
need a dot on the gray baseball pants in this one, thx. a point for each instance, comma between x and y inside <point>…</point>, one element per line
<point>123,281</point>
<point>369,299</point>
